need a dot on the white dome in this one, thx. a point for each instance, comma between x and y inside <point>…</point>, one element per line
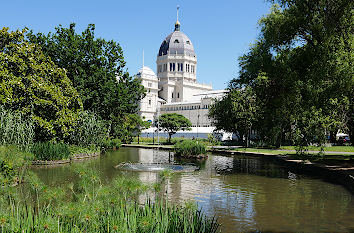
<point>146,72</point>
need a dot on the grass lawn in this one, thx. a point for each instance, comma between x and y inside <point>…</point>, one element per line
<point>332,148</point>
<point>269,151</point>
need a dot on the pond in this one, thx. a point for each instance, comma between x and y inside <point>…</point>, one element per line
<point>245,193</point>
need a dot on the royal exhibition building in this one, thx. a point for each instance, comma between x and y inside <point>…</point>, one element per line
<point>175,88</point>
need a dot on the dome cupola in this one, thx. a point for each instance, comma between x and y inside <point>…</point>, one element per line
<point>177,43</point>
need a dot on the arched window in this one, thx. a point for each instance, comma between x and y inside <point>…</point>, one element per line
<point>178,95</point>
<point>172,94</point>
<point>176,41</point>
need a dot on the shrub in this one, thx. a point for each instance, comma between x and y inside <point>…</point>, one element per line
<point>111,144</point>
<point>13,164</point>
<point>89,130</point>
<point>189,148</point>
<point>15,129</point>
<point>176,140</point>
<point>50,151</point>
<point>75,150</point>
<point>213,140</point>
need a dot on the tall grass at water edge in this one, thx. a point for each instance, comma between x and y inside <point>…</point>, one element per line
<point>89,130</point>
<point>189,148</point>
<point>13,165</point>
<point>15,129</point>
<point>90,206</point>
<point>50,151</point>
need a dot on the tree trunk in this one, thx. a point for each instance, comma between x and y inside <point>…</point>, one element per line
<point>247,139</point>
<point>332,136</point>
<point>169,137</point>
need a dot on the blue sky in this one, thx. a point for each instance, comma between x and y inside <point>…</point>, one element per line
<point>220,31</point>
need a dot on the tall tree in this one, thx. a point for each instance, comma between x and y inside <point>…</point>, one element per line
<point>96,68</point>
<point>235,112</point>
<point>32,84</point>
<point>302,65</point>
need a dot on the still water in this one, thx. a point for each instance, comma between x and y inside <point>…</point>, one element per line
<point>246,194</point>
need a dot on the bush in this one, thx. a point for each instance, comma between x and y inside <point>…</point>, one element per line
<point>50,151</point>
<point>15,129</point>
<point>89,130</point>
<point>75,150</point>
<point>13,164</point>
<point>111,144</point>
<point>189,148</point>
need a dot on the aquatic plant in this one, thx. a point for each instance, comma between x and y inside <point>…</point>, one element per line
<point>189,148</point>
<point>75,150</point>
<point>13,165</point>
<point>89,129</point>
<point>113,143</point>
<point>15,129</point>
<point>90,206</point>
<point>50,151</point>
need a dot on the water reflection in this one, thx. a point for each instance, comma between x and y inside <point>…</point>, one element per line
<point>245,193</point>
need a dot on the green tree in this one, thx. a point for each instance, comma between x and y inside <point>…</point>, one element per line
<point>96,68</point>
<point>173,122</point>
<point>302,65</point>
<point>235,112</point>
<point>30,83</point>
<point>132,124</point>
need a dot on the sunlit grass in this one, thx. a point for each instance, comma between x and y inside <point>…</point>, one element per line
<point>331,148</point>
<point>90,206</point>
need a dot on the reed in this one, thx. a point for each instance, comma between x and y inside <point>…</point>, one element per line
<point>50,151</point>
<point>89,130</point>
<point>189,148</point>
<point>15,129</point>
<point>109,144</point>
<point>91,206</point>
<point>13,165</point>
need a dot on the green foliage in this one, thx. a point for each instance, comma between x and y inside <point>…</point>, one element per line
<point>235,112</point>
<point>96,68</point>
<point>30,83</point>
<point>108,144</point>
<point>93,207</point>
<point>89,130</point>
<point>149,140</point>
<point>15,129</point>
<point>301,71</point>
<point>189,148</point>
<point>173,122</point>
<point>310,128</point>
<point>13,165</point>
<point>131,126</point>
<point>75,150</point>
<point>50,151</point>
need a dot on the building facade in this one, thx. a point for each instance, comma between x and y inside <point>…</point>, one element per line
<point>175,88</point>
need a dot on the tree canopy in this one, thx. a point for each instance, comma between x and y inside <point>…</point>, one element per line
<point>235,112</point>
<point>96,68</point>
<point>30,83</point>
<point>173,122</point>
<point>301,71</point>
